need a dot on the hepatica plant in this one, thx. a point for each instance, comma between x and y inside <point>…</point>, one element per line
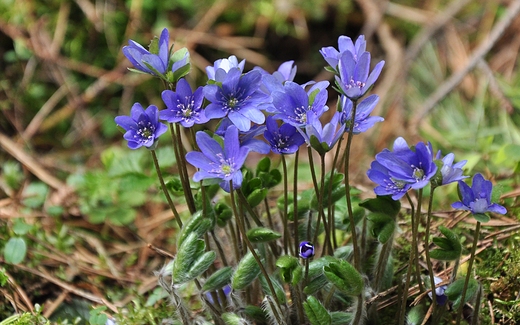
<point>257,245</point>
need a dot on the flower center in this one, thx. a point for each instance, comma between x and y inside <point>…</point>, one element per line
<point>145,131</point>
<point>232,102</point>
<point>418,173</point>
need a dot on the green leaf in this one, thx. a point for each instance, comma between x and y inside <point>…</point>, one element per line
<point>218,279</point>
<point>15,250</point>
<point>382,226</point>
<point>280,293</point>
<point>201,265</point>
<point>287,265</point>
<point>246,272</point>
<point>454,291</point>
<point>233,319</point>
<point>189,251</point>
<point>263,165</point>
<point>316,313</point>
<point>262,235</point>
<point>450,246</point>
<point>256,197</point>
<point>20,227</point>
<point>34,195</point>
<point>382,204</point>
<point>97,317</point>
<point>341,318</point>
<point>197,224</point>
<point>481,217</point>
<point>345,277</point>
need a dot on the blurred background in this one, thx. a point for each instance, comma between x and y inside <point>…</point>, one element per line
<point>451,77</point>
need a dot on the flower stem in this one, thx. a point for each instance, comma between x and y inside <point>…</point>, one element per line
<point>415,235</point>
<point>357,257</point>
<point>165,190</point>
<point>402,311</point>
<point>241,227</point>
<point>295,205</point>
<point>183,171</point>
<point>427,250</point>
<point>287,245</point>
<point>468,274</point>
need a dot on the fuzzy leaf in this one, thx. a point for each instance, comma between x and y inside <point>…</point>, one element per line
<point>246,272</point>
<point>450,246</point>
<point>345,277</point>
<point>382,226</point>
<point>382,204</point>
<point>280,293</point>
<point>189,251</point>
<point>201,265</point>
<point>454,291</point>
<point>481,217</point>
<point>218,279</point>
<point>316,313</point>
<point>256,197</point>
<point>287,265</point>
<point>262,235</point>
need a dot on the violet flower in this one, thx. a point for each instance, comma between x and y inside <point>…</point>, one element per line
<point>345,44</point>
<point>450,172</point>
<point>354,80</point>
<point>306,249</point>
<point>221,67</point>
<point>440,297</point>
<point>477,198</point>
<point>414,167</point>
<point>322,139</point>
<point>247,138</point>
<point>362,121</point>
<point>293,104</point>
<point>183,106</point>
<point>155,61</point>
<point>142,126</point>
<point>238,98</point>
<point>387,185</point>
<point>216,163</point>
<point>284,139</point>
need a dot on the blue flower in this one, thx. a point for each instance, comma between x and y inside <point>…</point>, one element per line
<point>222,66</point>
<point>387,185</point>
<point>306,249</point>
<point>155,62</point>
<point>239,99</point>
<point>183,106</point>
<point>294,106</point>
<point>322,139</point>
<point>142,126</point>
<point>217,164</point>
<point>247,138</point>
<point>362,121</point>
<point>440,297</point>
<point>414,167</point>
<point>332,56</point>
<point>284,139</point>
<point>354,79</point>
<point>273,82</point>
<point>450,172</point>
<point>477,198</point>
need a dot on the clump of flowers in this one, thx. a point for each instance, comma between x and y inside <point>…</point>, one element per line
<point>309,254</point>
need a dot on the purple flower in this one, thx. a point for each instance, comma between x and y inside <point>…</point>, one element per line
<point>142,126</point>
<point>345,44</point>
<point>306,249</point>
<point>294,105</point>
<point>221,67</point>
<point>322,139</point>
<point>387,185</point>
<point>477,198</point>
<point>353,80</point>
<point>183,106</point>
<point>284,139</point>
<point>450,172</point>
<point>217,164</point>
<point>440,297</point>
<point>247,138</point>
<point>362,121</point>
<point>239,99</point>
<point>155,61</point>
<point>273,82</point>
